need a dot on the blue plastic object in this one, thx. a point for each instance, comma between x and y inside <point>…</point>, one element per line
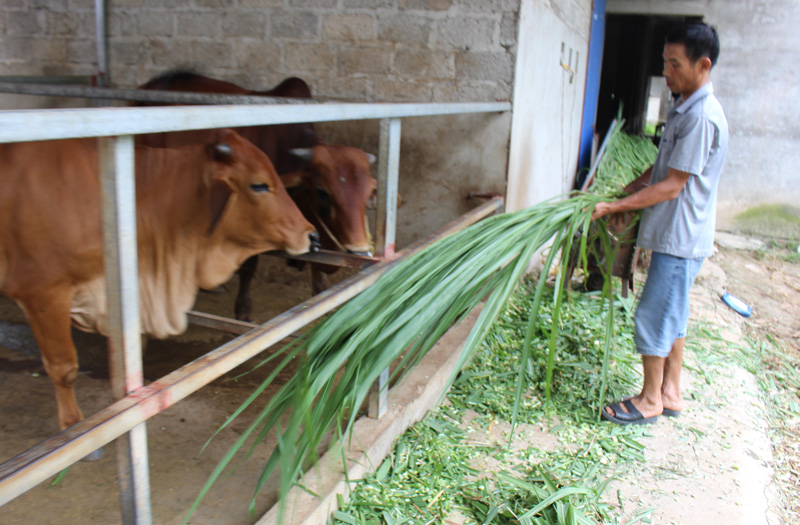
<point>737,304</point>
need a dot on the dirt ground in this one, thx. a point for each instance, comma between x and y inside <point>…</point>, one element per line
<point>715,463</point>
<point>711,465</point>
<point>178,469</point>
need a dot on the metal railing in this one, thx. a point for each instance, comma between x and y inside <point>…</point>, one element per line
<point>134,402</point>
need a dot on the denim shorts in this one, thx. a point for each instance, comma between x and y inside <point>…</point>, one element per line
<point>663,312</point>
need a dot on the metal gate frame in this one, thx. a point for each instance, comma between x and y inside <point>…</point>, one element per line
<point>135,403</point>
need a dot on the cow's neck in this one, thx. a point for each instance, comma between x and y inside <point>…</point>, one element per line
<point>218,262</point>
<point>167,290</point>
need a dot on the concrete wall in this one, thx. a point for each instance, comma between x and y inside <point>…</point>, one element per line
<point>757,80</point>
<point>548,99</point>
<point>361,50</point>
<point>435,50</point>
<point>370,50</point>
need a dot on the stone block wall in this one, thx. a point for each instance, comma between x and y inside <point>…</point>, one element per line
<point>354,50</point>
<point>365,50</point>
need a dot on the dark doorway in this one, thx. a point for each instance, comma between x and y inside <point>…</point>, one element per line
<point>631,57</point>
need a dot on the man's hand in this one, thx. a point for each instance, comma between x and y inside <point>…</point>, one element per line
<point>601,209</point>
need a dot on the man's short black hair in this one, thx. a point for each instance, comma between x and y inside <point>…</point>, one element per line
<point>701,40</point>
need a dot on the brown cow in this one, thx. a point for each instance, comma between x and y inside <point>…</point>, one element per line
<point>201,211</point>
<point>330,183</point>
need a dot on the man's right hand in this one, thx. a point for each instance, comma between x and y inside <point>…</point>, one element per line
<point>601,209</point>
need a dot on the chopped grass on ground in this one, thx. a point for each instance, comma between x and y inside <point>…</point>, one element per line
<point>463,464</point>
<point>433,472</point>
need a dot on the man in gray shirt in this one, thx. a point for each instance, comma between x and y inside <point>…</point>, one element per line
<point>678,196</point>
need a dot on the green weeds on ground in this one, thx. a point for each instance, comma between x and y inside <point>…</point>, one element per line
<point>784,250</point>
<point>776,221</point>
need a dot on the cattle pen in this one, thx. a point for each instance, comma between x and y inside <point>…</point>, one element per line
<point>135,402</point>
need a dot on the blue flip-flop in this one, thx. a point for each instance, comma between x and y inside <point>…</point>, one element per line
<point>631,417</point>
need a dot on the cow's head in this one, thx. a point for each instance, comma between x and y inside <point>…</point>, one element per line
<point>250,208</point>
<point>338,188</point>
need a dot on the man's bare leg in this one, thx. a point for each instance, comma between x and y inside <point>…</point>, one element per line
<point>671,385</point>
<point>648,402</point>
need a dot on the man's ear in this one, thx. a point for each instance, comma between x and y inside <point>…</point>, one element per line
<point>705,64</point>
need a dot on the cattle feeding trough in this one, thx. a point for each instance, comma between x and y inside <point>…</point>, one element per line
<point>135,402</point>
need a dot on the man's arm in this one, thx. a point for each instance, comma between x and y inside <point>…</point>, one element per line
<point>641,182</point>
<point>667,189</point>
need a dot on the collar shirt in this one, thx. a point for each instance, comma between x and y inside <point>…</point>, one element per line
<point>695,140</point>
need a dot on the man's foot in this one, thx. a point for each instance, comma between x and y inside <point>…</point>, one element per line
<point>645,407</point>
<point>671,413</point>
<point>629,415</point>
<point>673,403</point>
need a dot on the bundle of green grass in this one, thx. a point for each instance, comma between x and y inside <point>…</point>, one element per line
<point>625,158</point>
<point>400,318</point>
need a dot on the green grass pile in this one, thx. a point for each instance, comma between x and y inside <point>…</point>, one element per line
<point>440,468</point>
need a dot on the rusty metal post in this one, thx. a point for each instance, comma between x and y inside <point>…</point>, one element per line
<point>118,183</point>
<point>385,228</point>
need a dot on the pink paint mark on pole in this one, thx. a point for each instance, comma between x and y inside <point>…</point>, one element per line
<point>133,381</point>
<point>152,399</point>
<point>389,253</point>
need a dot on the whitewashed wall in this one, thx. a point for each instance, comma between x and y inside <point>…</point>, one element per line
<point>548,100</point>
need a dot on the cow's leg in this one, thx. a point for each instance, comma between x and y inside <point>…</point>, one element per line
<point>49,317</point>
<point>243,308</point>
<point>319,280</point>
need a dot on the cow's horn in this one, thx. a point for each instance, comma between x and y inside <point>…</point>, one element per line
<point>371,158</point>
<point>223,151</point>
<point>303,153</point>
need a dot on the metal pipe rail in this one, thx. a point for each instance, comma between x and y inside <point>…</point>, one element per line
<point>30,468</point>
<point>53,124</point>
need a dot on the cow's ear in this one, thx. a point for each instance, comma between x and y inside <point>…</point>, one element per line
<point>293,179</point>
<point>220,195</point>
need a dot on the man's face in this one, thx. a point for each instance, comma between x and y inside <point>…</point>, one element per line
<point>681,74</point>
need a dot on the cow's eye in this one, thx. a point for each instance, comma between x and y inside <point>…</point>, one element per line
<point>259,187</point>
